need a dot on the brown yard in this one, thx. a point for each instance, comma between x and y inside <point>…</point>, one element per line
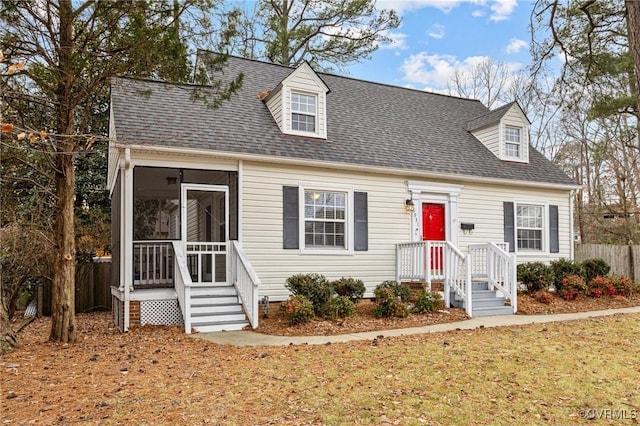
<point>553,373</point>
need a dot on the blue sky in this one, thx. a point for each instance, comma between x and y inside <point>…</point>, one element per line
<point>436,36</point>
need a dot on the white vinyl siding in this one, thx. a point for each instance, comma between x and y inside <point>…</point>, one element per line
<point>304,81</point>
<point>490,137</point>
<point>274,103</point>
<point>262,226</point>
<point>389,223</point>
<point>482,205</point>
<point>514,119</point>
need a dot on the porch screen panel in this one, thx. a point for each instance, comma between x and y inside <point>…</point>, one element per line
<point>156,206</point>
<point>115,233</point>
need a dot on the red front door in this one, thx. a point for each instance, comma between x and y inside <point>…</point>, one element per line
<point>433,230</point>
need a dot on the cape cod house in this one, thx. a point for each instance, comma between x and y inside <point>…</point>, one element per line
<point>305,172</point>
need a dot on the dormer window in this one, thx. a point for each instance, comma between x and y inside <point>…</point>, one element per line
<point>512,142</point>
<point>303,112</point>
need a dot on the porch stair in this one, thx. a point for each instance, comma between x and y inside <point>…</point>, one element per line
<point>216,308</point>
<point>485,302</point>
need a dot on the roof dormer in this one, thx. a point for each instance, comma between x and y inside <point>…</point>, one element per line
<point>299,103</point>
<point>504,131</point>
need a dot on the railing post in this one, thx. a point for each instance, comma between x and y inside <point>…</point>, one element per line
<point>398,262</point>
<point>514,280</point>
<point>448,271</point>
<point>427,264</point>
<point>469,287</point>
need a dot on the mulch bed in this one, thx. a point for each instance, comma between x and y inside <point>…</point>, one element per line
<point>365,320</point>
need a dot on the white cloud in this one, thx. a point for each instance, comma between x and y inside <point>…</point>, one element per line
<point>398,41</point>
<point>436,31</point>
<point>502,9</point>
<point>436,71</point>
<point>401,6</point>
<point>515,45</point>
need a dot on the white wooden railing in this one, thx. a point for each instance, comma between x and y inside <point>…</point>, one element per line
<point>422,260</point>
<point>478,253</point>
<point>441,260</point>
<point>501,273</point>
<point>206,262</point>
<point>457,277</point>
<point>153,263</point>
<point>436,260</point>
<point>183,284</point>
<point>245,280</point>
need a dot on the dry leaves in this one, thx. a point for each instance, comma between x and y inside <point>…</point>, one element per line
<point>158,375</point>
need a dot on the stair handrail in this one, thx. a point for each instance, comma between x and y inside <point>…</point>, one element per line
<point>183,284</point>
<point>501,273</point>
<point>457,276</point>
<point>245,280</point>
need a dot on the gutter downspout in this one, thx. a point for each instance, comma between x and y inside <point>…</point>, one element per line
<point>127,258</point>
<point>571,224</point>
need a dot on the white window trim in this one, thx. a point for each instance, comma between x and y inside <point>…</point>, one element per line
<point>524,143</point>
<point>348,232</point>
<point>545,227</point>
<point>290,112</point>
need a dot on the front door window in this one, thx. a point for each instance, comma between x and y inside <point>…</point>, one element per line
<point>433,229</point>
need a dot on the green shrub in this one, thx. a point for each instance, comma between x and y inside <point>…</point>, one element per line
<point>428,302</point>
<point>349,287</point>
<point>535,275</point>
<point>623,285</point>
<point>600,286</point>
<point>562,268</point>
<point>314,287</point>
<point>297,309</point>
<point>594,267</point>
<point>398,289</point>
<point>339,307</point>
<point>388,304</point>
<point>572,287</point>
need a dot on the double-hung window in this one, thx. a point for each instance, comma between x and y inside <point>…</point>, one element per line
<point>529,227</point>
<point>512,141</point>
<point>325,223</point>
<point>303,112</point>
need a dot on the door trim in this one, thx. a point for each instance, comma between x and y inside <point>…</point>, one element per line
<point>435,193</point>
<point>184,189</point>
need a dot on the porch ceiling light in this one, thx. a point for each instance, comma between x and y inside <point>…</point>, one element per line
<point>408,205</point>
<point>171,180</point>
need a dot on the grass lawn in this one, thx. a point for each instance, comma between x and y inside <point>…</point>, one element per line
<point>535,374</point>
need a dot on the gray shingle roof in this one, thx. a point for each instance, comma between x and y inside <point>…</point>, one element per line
<point>489,118</point>
<point>368,124</point>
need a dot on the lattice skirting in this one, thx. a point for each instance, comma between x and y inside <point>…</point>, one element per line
<point>160,312</point>
<point>117,307</point>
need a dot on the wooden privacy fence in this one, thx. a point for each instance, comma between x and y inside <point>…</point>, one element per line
<point>93,292</point>
<point>624,260</point>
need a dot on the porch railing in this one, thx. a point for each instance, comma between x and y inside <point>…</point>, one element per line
<point>183,285</point>
<point>478,253</point>
<point>245,280</point>
<point>501,273</point>
<point>153,263</point>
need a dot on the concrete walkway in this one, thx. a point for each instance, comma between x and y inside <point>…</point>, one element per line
<point>251,338</point>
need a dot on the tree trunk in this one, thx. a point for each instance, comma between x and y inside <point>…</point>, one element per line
<point>63,327</point>
<point>7,336</point>
<point>633,25</point>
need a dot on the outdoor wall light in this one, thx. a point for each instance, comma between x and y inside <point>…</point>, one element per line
<point>408,205</point>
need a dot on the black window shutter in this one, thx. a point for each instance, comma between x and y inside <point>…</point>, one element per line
<point>290,218</point>
<point>554,239</point>
<point>509,229</point>
<point>361,221</point>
